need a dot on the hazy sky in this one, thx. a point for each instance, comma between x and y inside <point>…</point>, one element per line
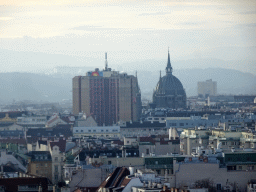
<point>129,30</point>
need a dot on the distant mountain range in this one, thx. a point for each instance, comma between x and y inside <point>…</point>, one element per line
<point>242,59</point>
<point>57,83</point>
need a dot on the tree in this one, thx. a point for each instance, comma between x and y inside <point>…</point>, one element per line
<point>206,183</point>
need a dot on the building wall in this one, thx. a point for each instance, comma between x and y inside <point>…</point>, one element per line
<point>101,131</point>
<point>167,148</point>
<point>41,168</point>
<point>107,99</point>
<point>119,162</point>
<point>57,164</point>
<point>125,101</point>
<point>189,173</point>
<point>85,95</point>
<point>42,147</point>
<point>130,140</point>
<point>207,87</point>
<point>134,132</point>
<point>76,94</point>
<point>146,149</point>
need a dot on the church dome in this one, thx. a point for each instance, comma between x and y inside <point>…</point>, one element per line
<point>170,85</point>
<point>169,91</point>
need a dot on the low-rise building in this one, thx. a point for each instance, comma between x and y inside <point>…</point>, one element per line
<point>142,129</point>
<point>162,165</point>
<point>190,139</point>
<point>221,175</point>
<point>32,121</point>
<point>25,183</point>
<point>137,162</point>
<point>40,164</point>
<point>57,151</point>
<point>14,145</point>
<point>98,131</point>
<point>6,158</point>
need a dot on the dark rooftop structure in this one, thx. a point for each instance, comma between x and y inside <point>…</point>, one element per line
<point>40,156</point>
<point>62,130</point>
<point>13,114</point>
<point>12,133</point>
<point>14,141</point>
<point>29,183</point>
<point>61,144</point>
<point>115,179</point>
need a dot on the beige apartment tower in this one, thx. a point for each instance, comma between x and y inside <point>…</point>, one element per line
<point>108,96</point>
<point>207,88</point>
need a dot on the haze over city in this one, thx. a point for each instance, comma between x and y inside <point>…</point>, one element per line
<point>37,36</point>
<point>128,96</point>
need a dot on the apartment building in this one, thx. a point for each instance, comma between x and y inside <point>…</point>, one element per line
<point>40,163</point>
<point>57,151</point>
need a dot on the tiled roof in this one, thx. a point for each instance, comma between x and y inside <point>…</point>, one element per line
<point>9,169</point>
<point>116,178</point>
<point>18,141</point>
<point>64,130</point>
<point>61,144</point>
<point>117,142</point>
<point>125,182</point>
<point>147,139</point>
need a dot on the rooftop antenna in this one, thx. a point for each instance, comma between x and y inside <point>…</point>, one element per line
<point>106,61</point>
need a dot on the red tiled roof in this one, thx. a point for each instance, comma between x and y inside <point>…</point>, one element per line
<point>61,144</point>
<point>52,120</point>
<point>118,142</point>
<point>125,182</point>
<point>147,139</point>
<point>115,179</point>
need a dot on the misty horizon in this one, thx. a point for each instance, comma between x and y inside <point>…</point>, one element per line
<point>38,35</point>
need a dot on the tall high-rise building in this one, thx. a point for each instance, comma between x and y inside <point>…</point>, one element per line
<point>108,96</point>
<point>207,88</point>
